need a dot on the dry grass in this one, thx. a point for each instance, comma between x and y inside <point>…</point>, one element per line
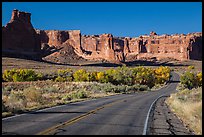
<point>19,97</point>
<point>187,105</point>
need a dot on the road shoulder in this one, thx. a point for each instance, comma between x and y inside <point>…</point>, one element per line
<point>164,122</point>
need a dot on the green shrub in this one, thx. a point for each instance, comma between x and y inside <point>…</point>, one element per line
<point>120,89</point>
<point>78,95</point>
<point>191,67</point>
<point>64,75</point>
<point>199,79</point>
<point>51,89</point>
<point>81,75</point>
<point>132,88</point>
<point>143,88</point>
<point>21,75</point>
<point>108,87</point>
<point>188,79</point>
<point>66,97</point>
<point>92,76</point>
<point>60,79</point>
<point>102,77</point>
<point>191,80</point>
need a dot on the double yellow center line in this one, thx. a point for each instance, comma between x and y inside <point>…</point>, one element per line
<point>52,130</point>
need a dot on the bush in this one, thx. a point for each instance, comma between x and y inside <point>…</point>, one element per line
<point>188,79</point>
<point>101,77</point>
<point>191,67</point>
<point>81,75</point>
<point>92,76</point>
<point>162,74</point>
<point>60,79</point>
<point>64,75</point>
<point>199,79</point>
<point>78,95</point>
<point>19,75</point>
<point>33,95</point>
<point>15,102</point>
<point>144,76</point>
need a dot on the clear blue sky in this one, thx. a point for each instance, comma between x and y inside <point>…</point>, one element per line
<point>130,19</point>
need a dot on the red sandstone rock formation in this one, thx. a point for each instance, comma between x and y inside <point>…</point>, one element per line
<point>63,45</point>
<point>19,38</point>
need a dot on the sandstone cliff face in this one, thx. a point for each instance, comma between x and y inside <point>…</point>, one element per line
<point>19,38</point>
<point>60,45</point>
<point>57,46</point>
<point>180,47</point>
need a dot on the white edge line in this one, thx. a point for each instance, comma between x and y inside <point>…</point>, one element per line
<point>147,118</point>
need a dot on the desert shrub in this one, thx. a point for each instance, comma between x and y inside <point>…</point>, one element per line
<point>144,76</point>
<point>79,95</point>
<point>191,80</point>
<point>132,88</point>
<point>191,67</point>
<point>120,89</point>
<point>33,95</point>
<point>199,78</point>
<point>60,79</point>
<point>162,74</point>
<point>109,75</point>
<point>16,101</point>
<point>92,76</point>
<point>21,75</point>
<point>125,75</point>
<point>51,76</point>
<point>50,89</point>
<point>102,77</point>
<point>64,75</point>
<point>118,76</point>
<point>188,79</point>
<point>81,75</point>
<point>66,97</point>
<point>108,87</point>
<point>143,88</point>
<point>65,72</point>
<point>7,88</point>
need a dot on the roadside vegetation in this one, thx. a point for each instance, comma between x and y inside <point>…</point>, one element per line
<point>19,97</point>
<point>117,76</point>
<point>24,90</point>
<point>187,102</point>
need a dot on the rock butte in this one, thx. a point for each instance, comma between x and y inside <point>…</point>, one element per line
<point>21,39</point>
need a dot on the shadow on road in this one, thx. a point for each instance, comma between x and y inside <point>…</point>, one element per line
<point>176,81</point>
<point>57,112</point>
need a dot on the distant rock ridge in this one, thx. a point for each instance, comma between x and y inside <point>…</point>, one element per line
<point>19,35</point>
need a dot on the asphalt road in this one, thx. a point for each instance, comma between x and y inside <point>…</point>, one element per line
<point>123,114</point>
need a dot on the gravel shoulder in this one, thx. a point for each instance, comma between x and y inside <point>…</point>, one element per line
<point>164,122</point>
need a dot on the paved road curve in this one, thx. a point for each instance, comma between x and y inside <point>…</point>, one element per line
<point>123,114</point>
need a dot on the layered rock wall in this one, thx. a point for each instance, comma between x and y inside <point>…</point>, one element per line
<point>179,47</point>
<point>20,38</point>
